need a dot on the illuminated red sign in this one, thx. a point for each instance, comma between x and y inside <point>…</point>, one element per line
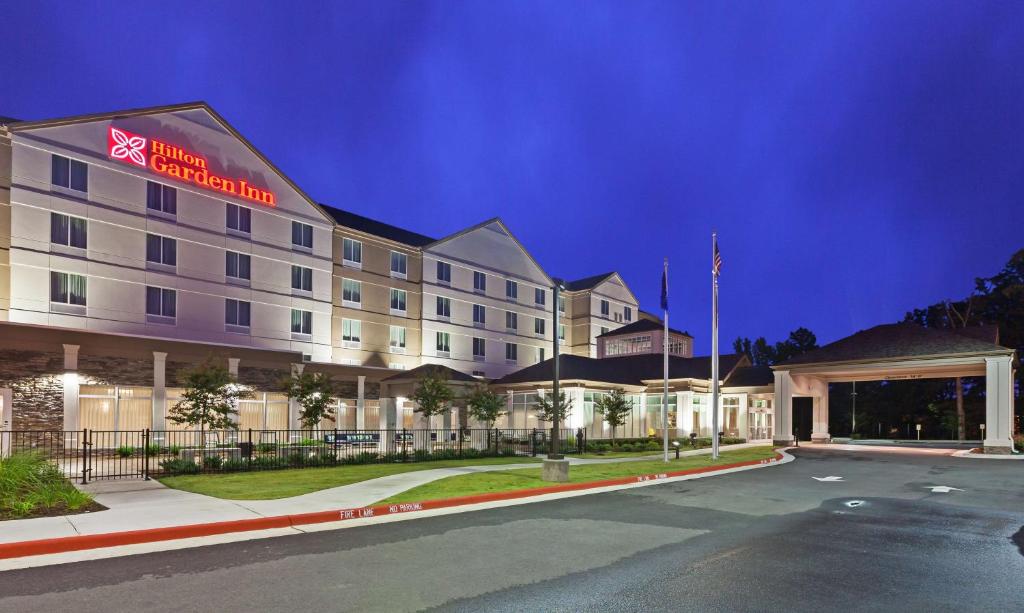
<point>175,162</point>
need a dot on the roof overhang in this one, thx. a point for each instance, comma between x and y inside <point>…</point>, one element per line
<point>545,384</point>
<point>895,369</point>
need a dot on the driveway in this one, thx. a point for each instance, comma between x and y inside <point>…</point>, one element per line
<point>877,536</point>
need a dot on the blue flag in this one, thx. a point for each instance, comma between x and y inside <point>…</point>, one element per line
<point>664,289</point>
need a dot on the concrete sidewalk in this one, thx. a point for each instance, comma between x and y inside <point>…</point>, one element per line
<point>140,505</point>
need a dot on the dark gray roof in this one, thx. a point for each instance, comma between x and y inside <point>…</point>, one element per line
<point>751,376</point>
<point>433,369</point>
<point>587,282</point>
<point>377,228</point>
<point>641,325</point>
<point>626,370</point>
<point>8,120</point>
<point>902,340</point>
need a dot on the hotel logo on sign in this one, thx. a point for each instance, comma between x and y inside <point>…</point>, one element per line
<point>175,162</point>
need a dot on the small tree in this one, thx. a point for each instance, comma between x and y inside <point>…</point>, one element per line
<point>548,410</point>
<point>484,404</point>
<point>209,399</point>
<point>313,393</point>
<point>615,408</point>
<point>433,395</point>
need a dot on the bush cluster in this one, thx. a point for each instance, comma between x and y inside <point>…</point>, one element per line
<point>30,485</point>
<point>653,444</point>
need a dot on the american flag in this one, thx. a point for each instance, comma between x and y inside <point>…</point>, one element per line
<point>716,265</point>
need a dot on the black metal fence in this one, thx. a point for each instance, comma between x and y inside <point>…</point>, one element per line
<point>97,454</point>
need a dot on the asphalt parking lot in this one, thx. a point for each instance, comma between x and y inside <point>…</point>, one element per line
<point>853,530</point>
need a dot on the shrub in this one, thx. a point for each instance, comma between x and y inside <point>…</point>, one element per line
<point>297,459</point>
<point>179,466</point>
<point>213,462</point>
<point>309,442</point>
<point>174,449</point>
<point>234,465</point>
<point>29,483</point>
<point>364,457</point>
<point>125,451</point>
<point>153,449</point>
<point>266,447</point>
<point>420,455</point>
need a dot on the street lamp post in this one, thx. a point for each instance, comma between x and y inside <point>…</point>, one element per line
<point>555,467</point>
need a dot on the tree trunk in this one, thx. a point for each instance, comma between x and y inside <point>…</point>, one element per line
<point>961,426</point>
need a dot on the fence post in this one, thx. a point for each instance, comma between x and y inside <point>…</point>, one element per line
<point>85,456</point>
<point>405,448</point>
<point>533,442</point>
<point>497,442</point>
<point>145,455</point>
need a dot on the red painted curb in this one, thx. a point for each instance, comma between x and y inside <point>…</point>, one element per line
<point>133,537</point>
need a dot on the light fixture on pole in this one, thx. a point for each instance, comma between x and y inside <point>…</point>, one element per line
<point>555,467</point>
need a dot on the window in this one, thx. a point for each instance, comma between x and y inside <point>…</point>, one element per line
<point>396,339</point>
<point>511,352</point>
<point>627,313</point>
<point>67,288</point>
<point>604,308</point>
<point>302,235</point>
<point>479,348</point>
<point>351,292</point>
<point>236,313</point>
<point>302,322</point>
<point>538,326</point>
<point>399,264</point>
<point>161,250</point>
<point>628,345</point>
<point>444,272</point>
<point>69,231</point>
<point>161,303</point>
<point>511,320</point>
<point>479,315</point>
<point>443,342</point>
<point>479,373</point>
<point>70,174</point>
<point>351,252</point>
<point>539,296</point>
<point>161,198</point>
<point>237,265</point>
<point>511,290</point>
<point>561,304</point>
<point>444,307</point>
<point>239,218</point>
<point>351,331</point>
<point>302,278</point>
<point>540,354</point>
<point>398,298</point>
<point>561,332</point>
<point>604,330</point>
<point>479,282</point>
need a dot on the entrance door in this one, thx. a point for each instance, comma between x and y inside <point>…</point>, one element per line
<point>803,416</point>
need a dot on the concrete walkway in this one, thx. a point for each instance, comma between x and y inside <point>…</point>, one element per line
<point>139,505</point>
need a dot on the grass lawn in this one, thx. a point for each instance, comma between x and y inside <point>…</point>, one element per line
<point>30,486</point>
<point>270,484</point>
<point>507,480</point>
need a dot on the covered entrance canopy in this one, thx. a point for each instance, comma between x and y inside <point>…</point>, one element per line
<point>898,352</point>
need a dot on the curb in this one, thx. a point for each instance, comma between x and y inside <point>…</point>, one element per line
<point>133,537</point>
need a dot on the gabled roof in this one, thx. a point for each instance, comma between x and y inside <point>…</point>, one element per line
<point>171,108</point>
<point>432,370</point>
<point>894,341</point>
<point>641,325</point>
<point>377,228</point>
<point>626,370</point>
<point>587,282</point>
<point>486,223</point>
<point>750,376</point>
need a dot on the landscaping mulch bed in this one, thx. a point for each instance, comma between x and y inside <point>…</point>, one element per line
<point>55,511</point>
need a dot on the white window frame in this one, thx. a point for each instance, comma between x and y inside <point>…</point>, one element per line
<point>160,318</point>
<point>444,349</point>
<point>397,339</point>
<point>357,251</point>
<point>348,302</point>
<point>351,333</point>
<point>444,308</point>
<point>403,301</point>
<point>404,259</point>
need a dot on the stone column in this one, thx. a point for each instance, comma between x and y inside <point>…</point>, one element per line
<point>159,394</point>
<point>293,403</point>
<point>361,402</point>
<point>998,405</point>
<point>783,435</point>
<point>819,429</point>
<point>680,414</point>
<point>71,384</point>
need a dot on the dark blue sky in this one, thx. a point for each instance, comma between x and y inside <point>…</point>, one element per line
<point>858,159</point>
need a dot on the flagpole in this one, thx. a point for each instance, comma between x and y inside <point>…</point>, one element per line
<point>664,399</point>
<point>714,348</point>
